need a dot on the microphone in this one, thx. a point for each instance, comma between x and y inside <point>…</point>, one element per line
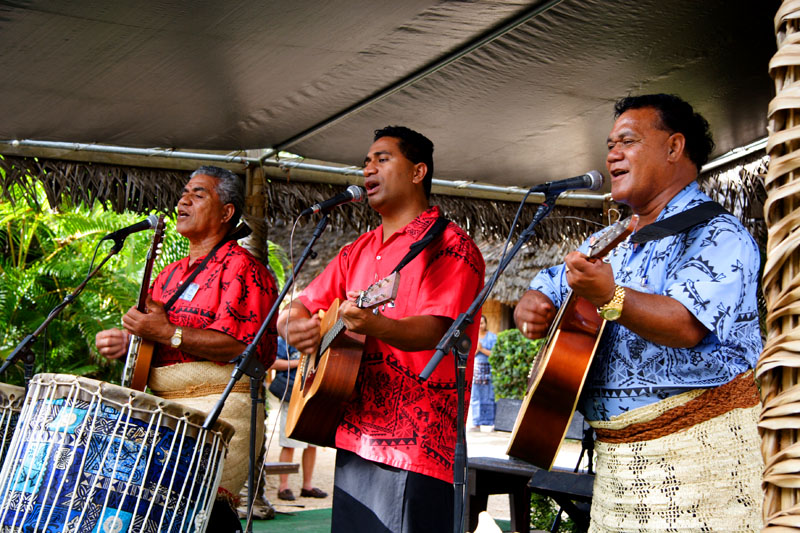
<point>592,180</point>
<point>354,193</point>
<point>148,223</point>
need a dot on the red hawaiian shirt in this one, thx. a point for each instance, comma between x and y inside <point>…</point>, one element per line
<point>232,294</point>
<point>393,417</point>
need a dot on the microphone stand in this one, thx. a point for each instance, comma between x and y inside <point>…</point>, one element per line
<point>247,364</point>
<point>24,350</point>
<point>455,341</point>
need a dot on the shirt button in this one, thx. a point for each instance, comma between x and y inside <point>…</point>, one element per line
<point>378,258</point>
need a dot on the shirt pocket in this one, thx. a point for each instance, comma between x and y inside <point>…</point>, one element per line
<point>406,293</point>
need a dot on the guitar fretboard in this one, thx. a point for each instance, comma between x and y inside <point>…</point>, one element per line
<point>332,333</point>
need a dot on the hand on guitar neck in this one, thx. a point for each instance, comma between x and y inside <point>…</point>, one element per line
<point>151,325</point>
<point>587,276</point>
<point>590,278</point>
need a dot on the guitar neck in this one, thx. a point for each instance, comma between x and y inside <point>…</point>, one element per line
<point>378,293</point>
<point>331,335</point>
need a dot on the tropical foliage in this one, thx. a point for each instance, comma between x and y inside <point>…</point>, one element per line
<point>45,254</point>
<point>511,361</point>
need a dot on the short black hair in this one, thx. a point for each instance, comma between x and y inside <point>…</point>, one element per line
<point>230,188</point>
<point>677,116</point>
<point>415,147</point>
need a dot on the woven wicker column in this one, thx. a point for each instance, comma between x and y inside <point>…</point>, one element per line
<point>779,366</point>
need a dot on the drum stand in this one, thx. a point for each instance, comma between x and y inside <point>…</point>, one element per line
<point>24,350</point>
<point>247,364</point>
<point>455,341</point>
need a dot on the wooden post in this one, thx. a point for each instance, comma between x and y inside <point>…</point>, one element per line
<point>255,213</point>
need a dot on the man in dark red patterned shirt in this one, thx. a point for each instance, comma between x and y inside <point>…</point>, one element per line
<point>396,439</point>
<point>211,321</point>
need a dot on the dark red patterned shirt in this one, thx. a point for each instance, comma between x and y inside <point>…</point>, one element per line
<point>233,295</point>
<point>393,417</point>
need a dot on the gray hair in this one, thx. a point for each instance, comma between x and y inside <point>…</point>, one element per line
<point>230,188</point>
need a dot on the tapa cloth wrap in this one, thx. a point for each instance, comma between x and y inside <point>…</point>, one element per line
<point>681,464</point>
<point>200,385</point>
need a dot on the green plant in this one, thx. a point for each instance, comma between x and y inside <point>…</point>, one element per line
<point>511,361</point>
<point>44,255</point>
<point>279,263</point>
<point>543,513</point>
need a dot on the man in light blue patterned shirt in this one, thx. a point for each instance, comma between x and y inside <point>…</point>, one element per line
<point>682,328</point>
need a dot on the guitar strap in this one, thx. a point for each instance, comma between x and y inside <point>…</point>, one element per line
<point>241,231</point>
<point>679,222</point>
<point>414,250</point>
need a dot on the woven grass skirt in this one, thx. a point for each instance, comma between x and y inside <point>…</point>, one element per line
<point>200,385</point>
<point>706,477</point>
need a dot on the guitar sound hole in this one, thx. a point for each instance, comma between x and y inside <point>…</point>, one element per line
<point>309,380</point>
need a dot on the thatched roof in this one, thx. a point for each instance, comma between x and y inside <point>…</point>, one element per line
<point>738,187</point>
<point>274,204</point>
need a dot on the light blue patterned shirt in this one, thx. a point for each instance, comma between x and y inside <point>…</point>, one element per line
<point>713,271</point>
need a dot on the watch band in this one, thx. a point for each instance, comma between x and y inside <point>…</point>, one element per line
<point>177,337</point>
<point>613,309</point>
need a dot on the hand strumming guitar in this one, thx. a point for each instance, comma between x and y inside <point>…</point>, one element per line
<point>533,314</point>
<point>112,343</point>
<point>590,278</point>
<point>303,329</point>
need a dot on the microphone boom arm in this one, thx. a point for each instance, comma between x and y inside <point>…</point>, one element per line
<point>24,349</point>
<point>455,340</point>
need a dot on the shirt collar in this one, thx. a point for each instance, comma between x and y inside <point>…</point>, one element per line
<point>422,222</point>
<point>689,196</point>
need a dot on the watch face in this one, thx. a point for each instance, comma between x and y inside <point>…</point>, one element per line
<point>611,314</point>
<point>175,342</point>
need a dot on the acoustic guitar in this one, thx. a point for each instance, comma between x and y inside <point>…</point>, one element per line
<point>559,370</point>
<point>140,351</point>
<point>325,380</point>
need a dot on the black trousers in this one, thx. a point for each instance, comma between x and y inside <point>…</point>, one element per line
<point>371,497</point>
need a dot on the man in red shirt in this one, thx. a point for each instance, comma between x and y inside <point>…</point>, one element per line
<point>396,439</point>
<point>210,320</point>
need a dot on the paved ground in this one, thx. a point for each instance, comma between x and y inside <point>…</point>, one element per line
<point>479,444</point>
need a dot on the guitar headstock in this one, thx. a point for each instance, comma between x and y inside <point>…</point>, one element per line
<point>158,238</point>
<point>152,254</point>
<point>379,292</point>
<point>613,236</point>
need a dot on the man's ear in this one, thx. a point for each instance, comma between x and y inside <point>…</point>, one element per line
<point>420,170</point>
<point>227,212</point>
<point>676,145</point>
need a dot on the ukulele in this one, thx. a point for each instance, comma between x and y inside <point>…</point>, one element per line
<point>325,380</point>
<point>559,370</point>
<point>140,351</point>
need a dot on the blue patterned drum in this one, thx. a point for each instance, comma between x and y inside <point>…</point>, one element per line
<point>11,398</point>
<point>89,456</point>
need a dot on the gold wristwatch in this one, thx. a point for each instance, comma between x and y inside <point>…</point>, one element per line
<point>177,337</point>
<point>613,309</point>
